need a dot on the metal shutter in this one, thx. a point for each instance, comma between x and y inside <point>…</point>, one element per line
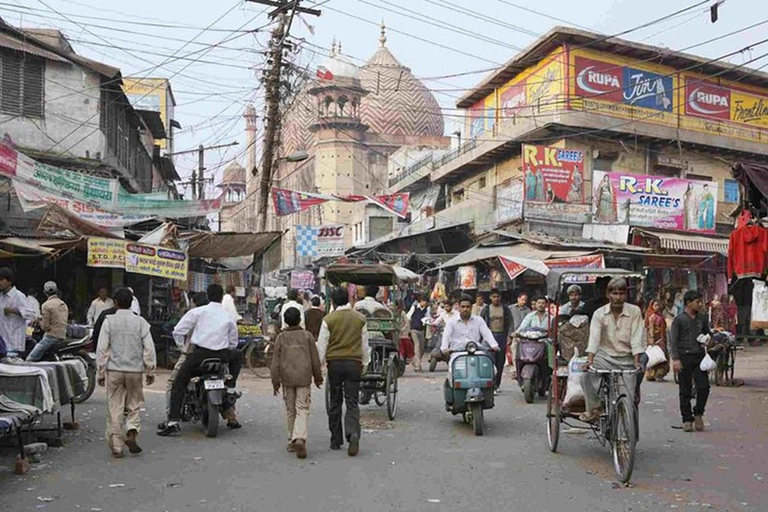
<point>22,84</point>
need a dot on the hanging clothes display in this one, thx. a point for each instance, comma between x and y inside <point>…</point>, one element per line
<point>759,318</point>
<point>748,252</point>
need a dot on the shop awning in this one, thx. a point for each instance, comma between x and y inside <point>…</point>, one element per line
<point>519,252</point>
<point>685,242</point>
<point>227,245</point>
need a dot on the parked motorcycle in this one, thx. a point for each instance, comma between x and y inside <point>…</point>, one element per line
<point>206,396</point>
<point>469,388</point>
<point>531,365</point>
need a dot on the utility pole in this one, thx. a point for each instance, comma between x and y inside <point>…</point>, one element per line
<point>285,11</point>
<point>198,179</point>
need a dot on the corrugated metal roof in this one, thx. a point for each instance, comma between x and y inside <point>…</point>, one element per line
<point>13,43</point>
<point>685,242</point>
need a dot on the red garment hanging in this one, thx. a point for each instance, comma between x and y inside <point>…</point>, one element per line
<point>748,252</point>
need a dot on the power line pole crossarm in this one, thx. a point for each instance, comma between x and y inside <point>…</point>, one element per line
<point>198,179</point>
<point>285,10</point>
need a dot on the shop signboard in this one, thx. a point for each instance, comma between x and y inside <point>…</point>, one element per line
<point>155,261</point>
<point>509,202</point>
<point>592,261</point>
<point>553,175</point>
<point>106,252</point>
<point>513,268</point>
<point>654,201</point>
<point>319,241</point>
<point>151,94</point>
<point>302,280</point>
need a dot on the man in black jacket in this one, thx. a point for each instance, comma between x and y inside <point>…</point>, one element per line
<point>419,311</point>
<point>498,318</point>
<point>690,333</point>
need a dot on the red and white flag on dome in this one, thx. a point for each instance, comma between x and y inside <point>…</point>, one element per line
<point>291,201</point>
<point>323,73</point>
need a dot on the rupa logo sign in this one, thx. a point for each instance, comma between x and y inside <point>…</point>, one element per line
<point>707,100</point>
<point>600,80</point>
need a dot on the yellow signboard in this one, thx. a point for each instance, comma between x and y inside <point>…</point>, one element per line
<point>106,252</point>
<point>150,94</point>
<point>155,261</point>
<point>137,258</point>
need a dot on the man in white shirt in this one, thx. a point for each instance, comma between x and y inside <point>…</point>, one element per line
<point>292,302</point>
<point>135,306</point>
<point>369,304</point>
<point>14,313</point>
<point>34,305</point>
<point>214,335</point>
<point>228,303</point>
<point>100,304</point>
<point>460,331</point>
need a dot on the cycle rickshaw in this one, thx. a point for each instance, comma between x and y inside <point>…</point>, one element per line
<point>379,379</point>
<point>618,426</point>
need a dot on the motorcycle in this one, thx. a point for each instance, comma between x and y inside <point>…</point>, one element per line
<point>531,365</point>
<point>468,390</point>
<point>206,396</point>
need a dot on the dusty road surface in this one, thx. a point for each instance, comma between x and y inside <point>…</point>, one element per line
<point>424,460</point>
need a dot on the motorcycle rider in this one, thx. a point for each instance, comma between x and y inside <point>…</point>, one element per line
<point>616,341</point>
<point>53,322</point>
<point>214,335</point>
<point>460,331</point>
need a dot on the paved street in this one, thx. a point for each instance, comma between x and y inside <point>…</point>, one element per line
<point>425,460</point>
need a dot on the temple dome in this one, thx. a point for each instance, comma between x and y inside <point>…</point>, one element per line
<point>234,175</point>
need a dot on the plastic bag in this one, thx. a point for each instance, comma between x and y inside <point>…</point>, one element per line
<point>707,364</point>
<point>574,394</point>
<point>655,355</point>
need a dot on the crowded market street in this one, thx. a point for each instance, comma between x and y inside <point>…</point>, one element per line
<point>424,460</point>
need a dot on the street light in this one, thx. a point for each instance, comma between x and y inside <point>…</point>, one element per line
<point>296,156</point>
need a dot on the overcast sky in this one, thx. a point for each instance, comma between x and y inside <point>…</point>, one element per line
<point>433,37</point>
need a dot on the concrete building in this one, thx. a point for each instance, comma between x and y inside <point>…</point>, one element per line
<point>626,117</point>
<point>350,122</point>
<point>66,110</point>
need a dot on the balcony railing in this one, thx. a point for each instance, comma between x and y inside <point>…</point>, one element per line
<point>411,169</point>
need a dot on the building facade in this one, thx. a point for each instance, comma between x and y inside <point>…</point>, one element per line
<point>71,112</point>
<point>579,136</point>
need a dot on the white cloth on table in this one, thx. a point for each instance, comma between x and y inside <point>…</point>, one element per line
<point>48,401</point>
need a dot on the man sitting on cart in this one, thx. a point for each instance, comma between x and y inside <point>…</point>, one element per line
<point>616,339</point>
<point>369,305</point>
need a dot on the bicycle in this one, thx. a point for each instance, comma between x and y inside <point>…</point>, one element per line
<point>257,355</point>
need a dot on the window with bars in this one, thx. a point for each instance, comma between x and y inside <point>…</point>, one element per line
<point>22,84</point>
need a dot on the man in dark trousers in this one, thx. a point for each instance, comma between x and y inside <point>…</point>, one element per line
<point>498,318</point>
<point>690,333</point>
<point>343,342</point>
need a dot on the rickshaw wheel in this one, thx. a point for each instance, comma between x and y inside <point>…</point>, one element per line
<point>392,387</point>
<point>379,398</point>
<point>553,420</point>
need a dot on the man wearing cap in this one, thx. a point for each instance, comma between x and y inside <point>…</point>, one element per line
<point>575,305</point>
<point>53,322</point>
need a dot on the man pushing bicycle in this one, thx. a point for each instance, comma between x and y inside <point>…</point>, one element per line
<point>616,342</point>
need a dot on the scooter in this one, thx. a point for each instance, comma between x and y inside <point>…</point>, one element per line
<point>206,396</point>
<point>531,365</point>
<point>468,390</point>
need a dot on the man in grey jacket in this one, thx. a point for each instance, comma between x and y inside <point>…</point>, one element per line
<point>124,354</point>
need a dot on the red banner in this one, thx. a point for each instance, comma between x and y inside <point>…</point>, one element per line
<point>592,261</point>
<point>513,269</point>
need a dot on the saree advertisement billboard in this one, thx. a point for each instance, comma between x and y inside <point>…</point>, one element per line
<point>553,175</point>
<point>654,201</point>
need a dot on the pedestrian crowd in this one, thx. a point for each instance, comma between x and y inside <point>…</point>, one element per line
<point>313,346</point>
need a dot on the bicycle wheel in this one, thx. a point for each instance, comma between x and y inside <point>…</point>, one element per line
<point>391,390</point>
<point>624,439</point>
<point>721,367</point>
<point>731,365</point>
<point>553,420</point>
